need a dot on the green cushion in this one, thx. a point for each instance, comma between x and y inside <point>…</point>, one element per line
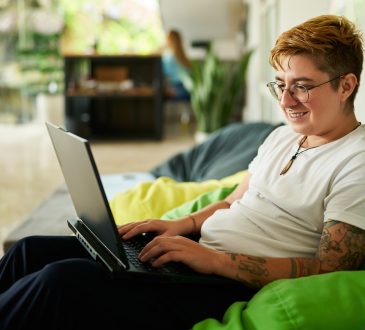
<point>199,202</point>
<point>232,319</point>
<point>333,301</point>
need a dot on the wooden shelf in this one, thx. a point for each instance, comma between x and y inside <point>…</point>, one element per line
<point>134,92</point>
<point>118,96</point>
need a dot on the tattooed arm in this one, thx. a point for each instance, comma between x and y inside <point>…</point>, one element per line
<point>342,247</point>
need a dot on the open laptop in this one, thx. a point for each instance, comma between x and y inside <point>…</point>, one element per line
<point>95,227</point>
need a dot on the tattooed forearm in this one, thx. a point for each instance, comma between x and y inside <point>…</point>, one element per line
<point>342,247</point>
<point>254,265</point>
<point>304,267</point>
<point>328,244</point>
<point>294,268</point>
<point>251,270</point>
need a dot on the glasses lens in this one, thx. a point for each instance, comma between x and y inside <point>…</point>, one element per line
<point>275,90</point>
<point>299,93</point>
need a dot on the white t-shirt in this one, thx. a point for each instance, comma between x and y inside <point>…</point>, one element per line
<point>283,215</point>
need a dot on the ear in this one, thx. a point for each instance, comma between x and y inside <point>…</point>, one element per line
<point>347,85</point>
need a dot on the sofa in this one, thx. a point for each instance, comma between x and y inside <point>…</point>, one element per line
<point>191,180</point>
<point>226,152</point>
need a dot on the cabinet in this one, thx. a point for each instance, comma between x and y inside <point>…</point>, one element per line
<point>114,96</point>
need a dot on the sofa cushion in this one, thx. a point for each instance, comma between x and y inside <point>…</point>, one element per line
<point>198,203</point>
<point>151,199</point>
<point>226,152</point>
<point>333,301</point>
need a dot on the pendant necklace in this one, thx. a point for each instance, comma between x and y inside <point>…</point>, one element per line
<point>291,161</point>
<point>301,142</point>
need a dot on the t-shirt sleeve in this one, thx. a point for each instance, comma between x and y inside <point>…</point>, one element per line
<point>346,199</point>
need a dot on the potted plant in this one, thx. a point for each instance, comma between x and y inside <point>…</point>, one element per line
<point>215,87</point>
<point>40,60</point>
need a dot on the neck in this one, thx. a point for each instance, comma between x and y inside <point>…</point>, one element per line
<point>327,137</point>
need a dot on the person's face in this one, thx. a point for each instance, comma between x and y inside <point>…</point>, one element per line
<point>325,109</point>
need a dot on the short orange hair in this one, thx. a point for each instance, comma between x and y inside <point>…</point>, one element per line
<point>333,42</point>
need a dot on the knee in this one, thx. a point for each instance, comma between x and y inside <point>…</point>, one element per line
<point>31,244</point>
<point>71,274</point>
<point>24,242</point>
<point>18,251</point>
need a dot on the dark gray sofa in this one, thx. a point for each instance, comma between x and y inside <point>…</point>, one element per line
<point>227,151</point>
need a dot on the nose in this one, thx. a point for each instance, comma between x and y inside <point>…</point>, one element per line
<point>287,100</point>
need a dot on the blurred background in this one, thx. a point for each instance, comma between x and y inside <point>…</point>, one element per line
<point>97,68</point>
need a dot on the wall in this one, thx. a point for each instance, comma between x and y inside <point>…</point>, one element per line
<point>355,10</point>
<point>218,21</point>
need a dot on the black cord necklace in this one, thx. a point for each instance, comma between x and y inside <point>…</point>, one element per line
<point>304,138</point>
<point>291,161</point>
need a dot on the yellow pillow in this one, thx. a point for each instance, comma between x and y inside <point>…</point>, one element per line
<point>152,199</point>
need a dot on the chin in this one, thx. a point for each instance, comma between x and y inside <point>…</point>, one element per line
<point>299,128</point>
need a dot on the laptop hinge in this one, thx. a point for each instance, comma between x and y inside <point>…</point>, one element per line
<point>96,249</point>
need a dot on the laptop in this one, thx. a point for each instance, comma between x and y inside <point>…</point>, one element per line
<point>95,227</point>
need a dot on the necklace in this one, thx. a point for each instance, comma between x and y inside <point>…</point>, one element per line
<point>301,142</point>
<point>291,161</point>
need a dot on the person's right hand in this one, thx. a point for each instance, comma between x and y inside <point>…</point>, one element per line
<point>160,227</point>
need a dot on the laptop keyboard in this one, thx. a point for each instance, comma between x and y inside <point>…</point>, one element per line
<point>133,247</point>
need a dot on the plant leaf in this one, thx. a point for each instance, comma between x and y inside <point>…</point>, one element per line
<point>215,87</point>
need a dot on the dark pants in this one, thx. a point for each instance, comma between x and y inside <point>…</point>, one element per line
<point>52,283</point>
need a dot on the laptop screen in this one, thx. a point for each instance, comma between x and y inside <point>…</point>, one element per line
<point>84,184</point>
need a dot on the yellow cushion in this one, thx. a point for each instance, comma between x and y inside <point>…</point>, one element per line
<point>152,199</point>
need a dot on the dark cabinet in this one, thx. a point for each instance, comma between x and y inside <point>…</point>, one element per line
<point>114,96</point>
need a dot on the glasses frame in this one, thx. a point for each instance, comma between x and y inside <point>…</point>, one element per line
<point>271,85</point>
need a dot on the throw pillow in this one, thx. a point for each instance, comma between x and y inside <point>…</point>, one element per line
<point>152,199</point>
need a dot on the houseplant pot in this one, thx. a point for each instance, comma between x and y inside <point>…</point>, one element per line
<point>215,89</point>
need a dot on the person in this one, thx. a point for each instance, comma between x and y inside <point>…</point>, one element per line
<point>174,63</point>
<point>300,211</point>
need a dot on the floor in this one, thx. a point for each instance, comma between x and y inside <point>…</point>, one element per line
<point>29,170</point>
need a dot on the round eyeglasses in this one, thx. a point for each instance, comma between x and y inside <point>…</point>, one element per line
<point>298,92</point>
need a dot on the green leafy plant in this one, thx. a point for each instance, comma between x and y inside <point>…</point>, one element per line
<point>41,65</point>
<point>215,87</point>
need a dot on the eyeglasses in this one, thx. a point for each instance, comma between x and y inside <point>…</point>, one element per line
<point>298,92</point>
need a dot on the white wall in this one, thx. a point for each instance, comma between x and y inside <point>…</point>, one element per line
<point>294,12</point>
<point>355,11</point>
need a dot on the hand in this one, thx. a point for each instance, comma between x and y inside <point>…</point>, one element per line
<point>160,227</point>
<point>163,249</point>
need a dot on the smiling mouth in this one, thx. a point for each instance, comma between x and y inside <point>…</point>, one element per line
<point>296,114</point>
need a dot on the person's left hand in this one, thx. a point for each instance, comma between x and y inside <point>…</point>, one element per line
<point>163,249</point>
